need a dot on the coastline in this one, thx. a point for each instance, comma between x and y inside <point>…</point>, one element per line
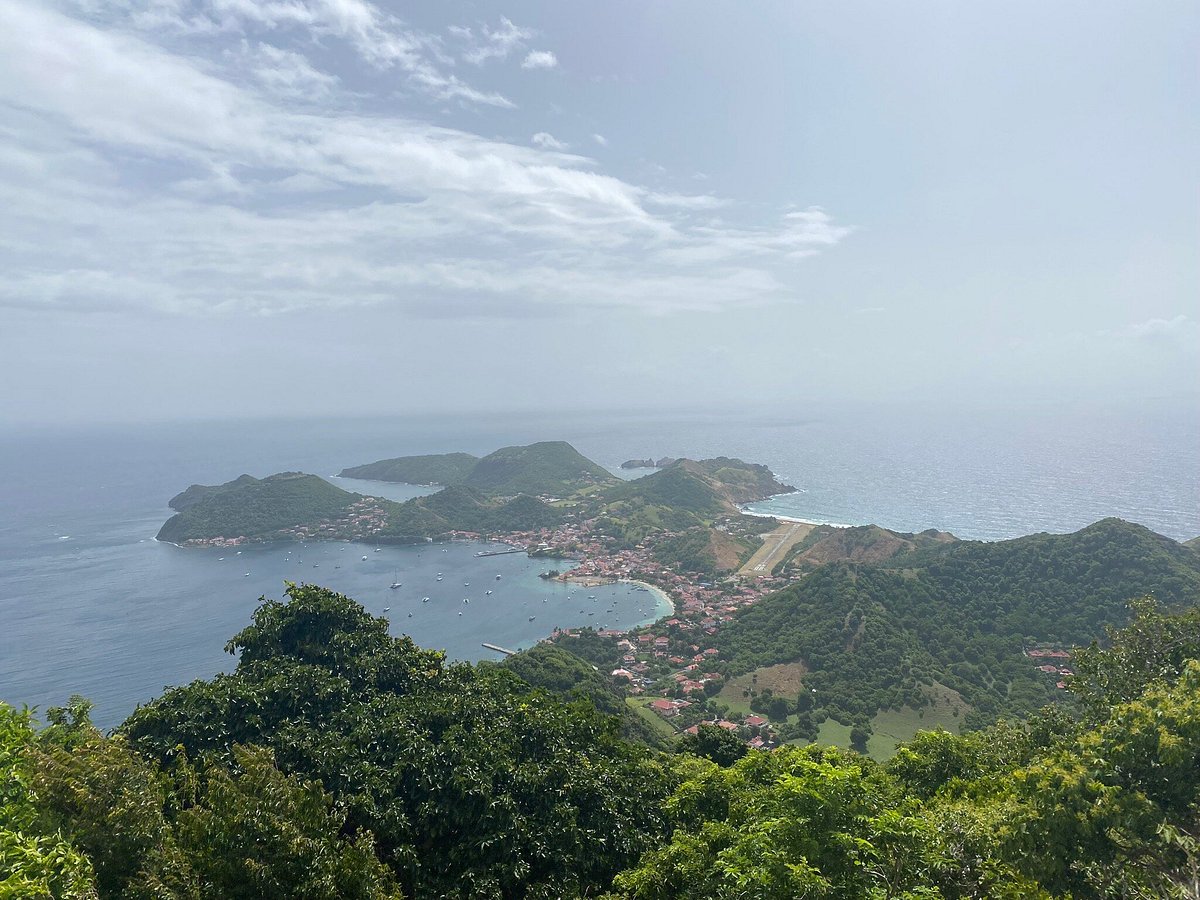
<point>796,519</point>
<point>661,596</point>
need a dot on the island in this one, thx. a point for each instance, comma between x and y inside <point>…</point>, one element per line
<point>844,634</point>
<point>648,463</point>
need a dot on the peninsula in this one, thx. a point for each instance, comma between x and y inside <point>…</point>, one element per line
<point>850,635</point>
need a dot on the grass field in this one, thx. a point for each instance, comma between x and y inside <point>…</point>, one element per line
<point>784,680</point>
<point>657,722</point>
<point>891,727</point>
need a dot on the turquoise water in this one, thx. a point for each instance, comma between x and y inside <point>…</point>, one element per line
<point>91,604</point>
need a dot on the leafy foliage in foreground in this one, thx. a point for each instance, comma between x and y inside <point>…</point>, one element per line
<point>1101,808</point>
<point>472,783</point>
<point>337,762</point>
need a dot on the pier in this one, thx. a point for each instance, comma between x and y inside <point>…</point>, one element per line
<point>500,649</point>
<point>501,552</point>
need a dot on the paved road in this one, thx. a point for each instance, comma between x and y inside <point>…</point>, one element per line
<point>776,544</point>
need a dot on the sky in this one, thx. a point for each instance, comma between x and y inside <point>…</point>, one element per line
<point>234,208</point>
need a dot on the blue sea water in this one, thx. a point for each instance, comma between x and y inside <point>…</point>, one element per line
<point>91,604</point>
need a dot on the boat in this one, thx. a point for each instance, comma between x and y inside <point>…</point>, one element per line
<point>460,614</point>
<point>531,618</point>
<point>364,559</point>
<point>410,615</point>
<point>466,599</point>
<point>395,584</point>
<point>387,609</point>
<point>497,577</point>
<point>247,575</point>
<point>485,593</point>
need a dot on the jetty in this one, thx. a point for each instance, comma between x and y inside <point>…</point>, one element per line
<point>501,552</point>
<point>500,649</point>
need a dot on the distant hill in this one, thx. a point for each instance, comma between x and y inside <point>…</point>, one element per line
<point>878,635</point>
<point>461,508</point>
<point>686,494</point>
<point>198,492</point>
<point>548,468</point>
<point>255,508</point>
<point>438,468</point>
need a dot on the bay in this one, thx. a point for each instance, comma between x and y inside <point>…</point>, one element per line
<point>91,604</point>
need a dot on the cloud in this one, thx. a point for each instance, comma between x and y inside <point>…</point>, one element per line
<point>142,178</point>
<point>600,139</point>
<point>686,201</point>
<point>378,38</point>
<point>1179,329</point>
<point>547,141</point>
<point>540,59</point>
<point>290,74</point>
<point>491,43</point>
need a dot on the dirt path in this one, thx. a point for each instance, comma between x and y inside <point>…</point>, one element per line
<point>775,545</point>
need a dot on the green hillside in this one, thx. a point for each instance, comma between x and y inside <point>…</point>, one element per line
<point>438,468</point>
<point>549,468</point>
<point>682,496</point>
<point>200,492</point>
<point>256,508</point>
<point>462,508</point>
<point>876,636</point>
<point>570,678</point>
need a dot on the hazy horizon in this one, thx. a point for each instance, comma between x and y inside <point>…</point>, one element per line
<point>219,209</point>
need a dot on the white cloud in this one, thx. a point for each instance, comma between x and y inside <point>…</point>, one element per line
<point>377,37</point>
<point>139,178</point>
<point>491,43</point>
<point>547,141</point>
<point>686,201</point>
<point>290,74</point>
<point>600,139</point>
<point>1181,329</point>
<point>540,59</point>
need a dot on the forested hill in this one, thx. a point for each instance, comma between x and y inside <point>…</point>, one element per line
<point>198,493</point>
<point>961,614</point>
<point>546,468</point>
<point>438,468</point>
<point>257,508</point>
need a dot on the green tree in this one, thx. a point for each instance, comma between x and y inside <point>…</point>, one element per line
<point>713,743</point>
<point>36,863</point>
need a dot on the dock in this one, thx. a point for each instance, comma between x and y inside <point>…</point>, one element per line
<point>500,649</point>
<point>501,552</point>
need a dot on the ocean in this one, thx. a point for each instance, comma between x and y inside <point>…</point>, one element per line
<point>91,604</point>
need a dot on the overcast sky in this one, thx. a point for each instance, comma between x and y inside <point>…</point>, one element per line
<point>242,207</point>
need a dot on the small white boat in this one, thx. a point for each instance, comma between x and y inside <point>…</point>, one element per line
<point>387,609</point>
<point>485,593</point>
<point>395,584</point>
<point>247,575</point>
<point>497,577</point>
<point>531,618</point>
<point>364,559</point>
